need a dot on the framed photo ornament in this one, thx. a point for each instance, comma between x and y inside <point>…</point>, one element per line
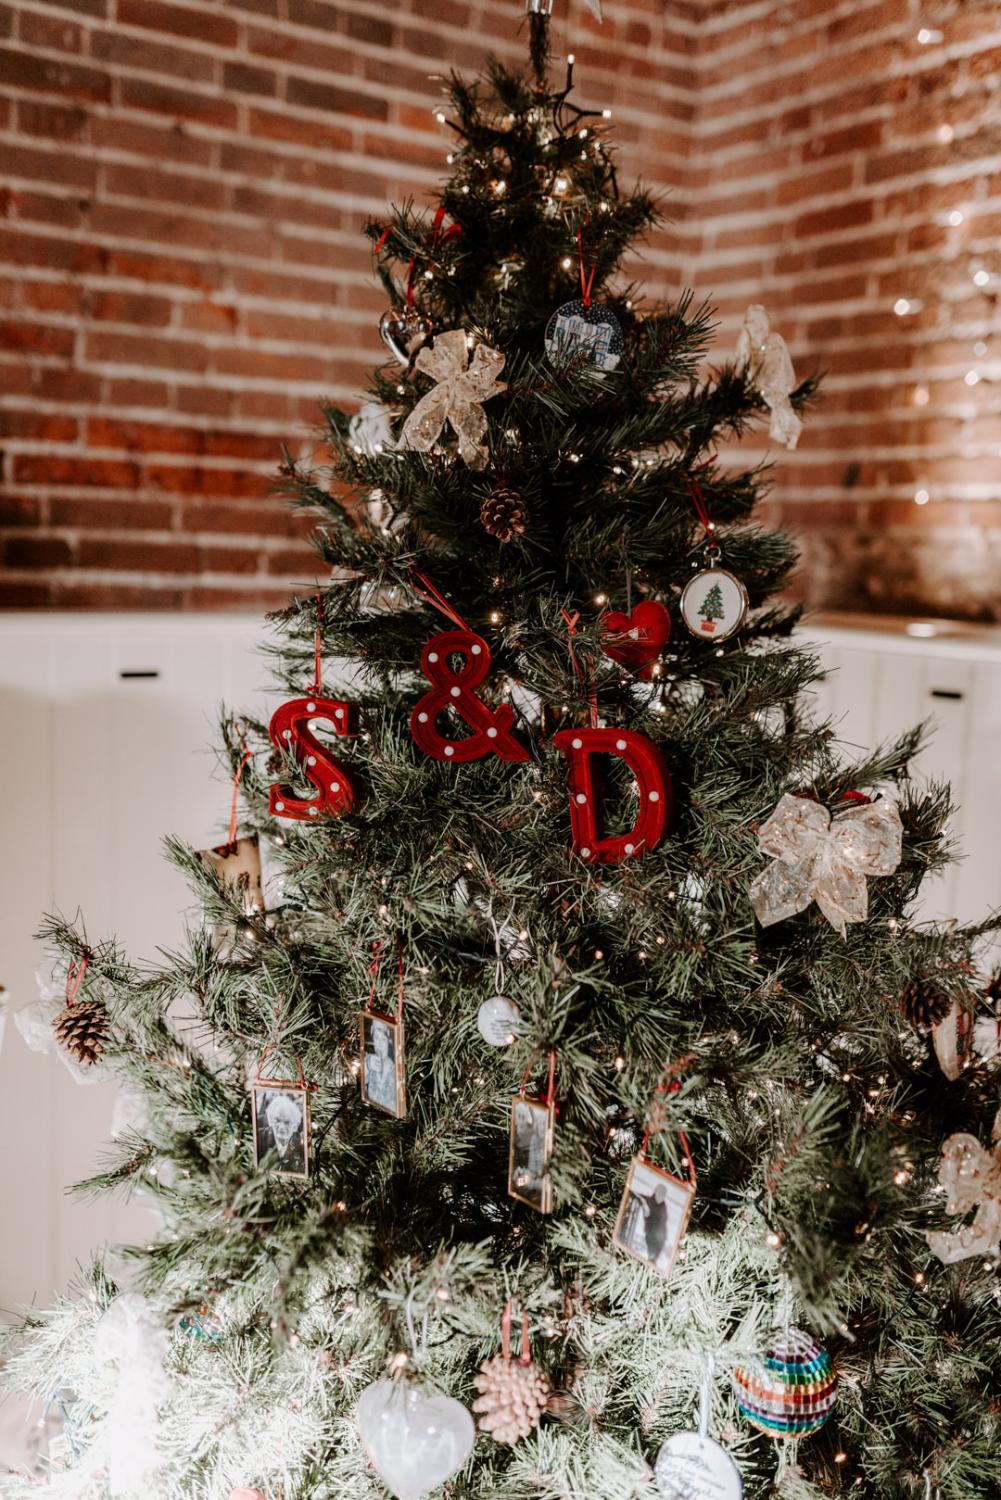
<point>383,1082</point>
<point>533,1128</point>
<point>653,1215</point>
<point>282,1125</point>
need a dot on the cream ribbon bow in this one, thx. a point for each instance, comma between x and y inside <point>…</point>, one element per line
<point>817,859</point>
<point>765,356</point>
<point>457,398</point>
<point>971,1177</point>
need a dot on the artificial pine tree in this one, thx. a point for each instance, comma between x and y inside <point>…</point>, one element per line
<point>640,1013</point>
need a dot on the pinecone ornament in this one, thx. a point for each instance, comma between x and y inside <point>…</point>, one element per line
<point>82,1028</point>
<point>513,1397</point>
<point>923,1003</point>
<point>504,514</point>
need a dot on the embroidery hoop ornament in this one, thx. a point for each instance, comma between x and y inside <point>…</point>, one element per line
<point>705,589</point>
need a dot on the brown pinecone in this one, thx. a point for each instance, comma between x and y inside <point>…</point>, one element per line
<point>923,1003</point>
<point>504,514</point>
<point>513,1397</point>
<point>82,1028</point>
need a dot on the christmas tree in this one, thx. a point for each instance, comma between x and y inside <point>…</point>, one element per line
<point>604,1107</point>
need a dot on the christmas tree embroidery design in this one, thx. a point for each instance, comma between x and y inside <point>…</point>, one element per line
<point>711,609</point>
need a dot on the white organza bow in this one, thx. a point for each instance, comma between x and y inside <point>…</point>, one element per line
<point>817,859</point>
<point>765,356</point>
<point>971,1178</point>
<point>457,398</point>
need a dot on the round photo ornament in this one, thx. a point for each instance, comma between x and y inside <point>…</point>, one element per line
<point>582,333</point>
<point>498,1020</point>
<point>691,1466</point>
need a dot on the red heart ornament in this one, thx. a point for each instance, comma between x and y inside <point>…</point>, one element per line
<point>636,640</point>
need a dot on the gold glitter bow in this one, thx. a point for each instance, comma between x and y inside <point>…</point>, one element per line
<point>971,1177</point>
<point>824,860</point>
<point>457,398</point>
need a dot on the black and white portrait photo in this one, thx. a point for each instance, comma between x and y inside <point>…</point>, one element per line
<point>281,1126</point>
<point>653,1215</point>
<point>382,1083</point>
<point>531,1148</point>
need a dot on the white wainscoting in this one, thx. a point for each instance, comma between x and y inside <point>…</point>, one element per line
<point>98,765</point>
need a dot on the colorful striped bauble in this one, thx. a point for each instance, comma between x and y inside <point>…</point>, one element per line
<point>790,1390</point>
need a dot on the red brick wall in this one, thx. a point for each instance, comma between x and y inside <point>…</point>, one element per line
<point>182,270</point>
<point>831,146</point>
<point>182,273</point>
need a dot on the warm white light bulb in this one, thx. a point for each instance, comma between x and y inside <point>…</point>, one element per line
<point>981,277</point>
<point>956,217</point>
<point>972,377</point>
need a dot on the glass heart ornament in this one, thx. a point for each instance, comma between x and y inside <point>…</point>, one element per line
<point>415,1437</point>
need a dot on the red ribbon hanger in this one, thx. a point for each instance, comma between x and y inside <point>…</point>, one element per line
<point>75,970</point>
<point>434,240</point>
<point>670,1085</point>
<point>524,1353</point>
<point>318,648</point>
<point>434,596</point>
<point>586,281</point>
<point>547,1098</point>
<point>278,1082</point>
<point>373,969</point>
<point>592,694</point>
<point>245,759</point>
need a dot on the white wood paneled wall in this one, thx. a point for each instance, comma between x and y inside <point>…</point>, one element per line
<point>97,767</point>
<point>882,681</point>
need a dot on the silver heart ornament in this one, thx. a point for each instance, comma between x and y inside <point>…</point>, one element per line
<point>403,332</point>
<point>414,1437</point>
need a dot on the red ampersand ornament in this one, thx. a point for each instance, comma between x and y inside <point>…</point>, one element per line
<point>457,690</point>
<point>291,730</point>
<point>641,755</point>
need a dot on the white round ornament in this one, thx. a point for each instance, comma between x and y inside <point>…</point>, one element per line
<point>714,604</point>
<point>415,1437</point>
<point>498,1020</point>
<point>585,332</point>
<point>692,1467</point>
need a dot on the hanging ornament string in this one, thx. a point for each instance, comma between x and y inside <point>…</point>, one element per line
<point>701,511</point>
<point>547,1098</point>
<point>271,1047</point>
<point>234,805</point>
<point>75,970</point>
<point>706,1393</point>
<point>524,1354</point>
<point>373,970</point>
<point>655,1121</point>
<point>586,278</point>
<point>435,597</point>
<point>433,240</point>
<point>318,648</point>
<point>592,694</point>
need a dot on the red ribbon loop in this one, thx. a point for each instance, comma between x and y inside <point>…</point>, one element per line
<point>75,970</point>
<point>669,1085</point>
<point>432,595</point>
<point>592,694</point>
<point>586,281</point>
<point>234,805</point>
<point>318,648</point>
